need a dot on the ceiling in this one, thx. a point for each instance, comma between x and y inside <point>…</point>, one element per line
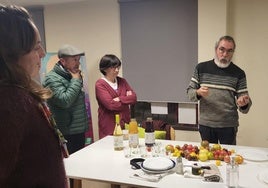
<point>36,2</point>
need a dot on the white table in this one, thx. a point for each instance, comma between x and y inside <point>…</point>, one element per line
<point>99,162</point>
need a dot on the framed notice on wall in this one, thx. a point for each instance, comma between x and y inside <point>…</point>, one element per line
<point>187,113</point>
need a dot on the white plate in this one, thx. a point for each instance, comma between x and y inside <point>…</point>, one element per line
<point>156,171</point>
<point>264,176</point>
<point>158,164</point>
<point>253,154</point>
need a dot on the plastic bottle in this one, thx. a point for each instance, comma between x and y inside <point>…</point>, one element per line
<point>232,174</point>
<point>118,134</point>
<point>149,133</point>
<point>133,133</point>
<point>179,166</point>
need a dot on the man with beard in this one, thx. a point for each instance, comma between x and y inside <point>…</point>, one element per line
<point>68,101</point>
<point>220,86</point>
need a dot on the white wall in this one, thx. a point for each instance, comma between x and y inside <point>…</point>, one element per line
<point>211,25</point>
<point>95,27</point>
<point>249,27</point>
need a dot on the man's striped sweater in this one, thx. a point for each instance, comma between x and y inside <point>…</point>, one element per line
<point>225,85</point>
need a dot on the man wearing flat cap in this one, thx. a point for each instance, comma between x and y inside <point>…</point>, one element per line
<point>68,101</point>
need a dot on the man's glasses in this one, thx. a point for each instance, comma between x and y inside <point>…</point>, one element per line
<point>224,50</point>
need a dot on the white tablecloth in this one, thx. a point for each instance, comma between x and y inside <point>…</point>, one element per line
<point>99,162</point>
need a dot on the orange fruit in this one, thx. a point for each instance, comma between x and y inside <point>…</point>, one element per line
<point>170,148</point>
<point>232,151</point>
<point>239,159</point>
<point>218,162</point>
<point>216,147</point>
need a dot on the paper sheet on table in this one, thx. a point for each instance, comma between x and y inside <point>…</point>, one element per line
<point>139,174</point>
<point>213,171</point>
<point>159,108</point>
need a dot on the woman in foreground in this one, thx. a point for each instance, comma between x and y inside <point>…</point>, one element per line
<point>30,143</point>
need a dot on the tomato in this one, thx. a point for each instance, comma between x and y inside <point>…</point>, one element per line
<point>190,147</point>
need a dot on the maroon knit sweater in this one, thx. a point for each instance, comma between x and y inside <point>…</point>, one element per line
<point>30,155</point>
<point>108,107</point>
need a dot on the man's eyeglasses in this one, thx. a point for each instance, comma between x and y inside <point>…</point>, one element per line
<point>228,51</point>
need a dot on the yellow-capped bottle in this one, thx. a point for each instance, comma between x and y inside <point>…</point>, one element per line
<point>118,135</point>
<point>133,136</point>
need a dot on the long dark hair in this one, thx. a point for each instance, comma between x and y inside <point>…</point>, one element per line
<point>17,38</point>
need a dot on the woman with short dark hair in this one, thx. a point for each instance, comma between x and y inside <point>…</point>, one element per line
<point>114,95</point>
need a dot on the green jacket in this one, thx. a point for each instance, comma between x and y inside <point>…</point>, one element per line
<point>68,101</point>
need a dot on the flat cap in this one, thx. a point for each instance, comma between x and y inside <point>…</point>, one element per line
<point>69,50</point>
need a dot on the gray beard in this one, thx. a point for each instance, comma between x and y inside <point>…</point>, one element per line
<point>222,64</point>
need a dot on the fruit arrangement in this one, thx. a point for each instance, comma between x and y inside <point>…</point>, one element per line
<point>203,152</point>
